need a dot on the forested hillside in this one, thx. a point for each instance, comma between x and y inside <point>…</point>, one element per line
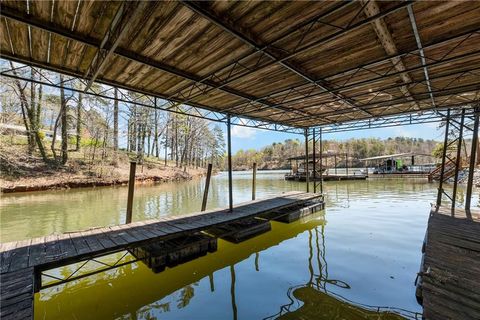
<point>275,155</point>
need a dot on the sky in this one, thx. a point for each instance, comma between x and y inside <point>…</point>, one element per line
<point>250,138</point>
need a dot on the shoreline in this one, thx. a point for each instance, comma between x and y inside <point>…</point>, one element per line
<point>94,183</point>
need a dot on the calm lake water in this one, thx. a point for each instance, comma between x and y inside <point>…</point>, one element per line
<point>359,255</point>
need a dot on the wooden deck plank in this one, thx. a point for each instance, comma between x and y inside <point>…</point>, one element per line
<point>80,244</point>
<point>19,258</point>
<point>450,287</point>
<point>16,298</point>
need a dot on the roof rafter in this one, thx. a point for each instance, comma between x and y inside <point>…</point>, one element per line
<point>234,31</point>
<point>371,9</point>
<point>114,35</point>
<point>27,19</point>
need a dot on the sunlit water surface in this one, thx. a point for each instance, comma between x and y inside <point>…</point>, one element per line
<point>360,255</point>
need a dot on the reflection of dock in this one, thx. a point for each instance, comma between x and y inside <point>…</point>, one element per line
<point>174,279</point>
<point>326,177</point>
<point>400,175</point>
<point>450,273</point>
<point>23,261</point>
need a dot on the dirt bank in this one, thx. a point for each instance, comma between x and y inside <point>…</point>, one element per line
<point>21,172</point>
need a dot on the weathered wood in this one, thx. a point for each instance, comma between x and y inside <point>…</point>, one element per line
<point>16,294</point>
<point>20,259</point>
<point>131,189</point>
<point>450,286</point>
<point>207,186</point>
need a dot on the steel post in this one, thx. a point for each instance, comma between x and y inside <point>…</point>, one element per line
<point>458,160</point>
<point>473,153</point>
<point>307,180</point>
<point>229,159</point>
<point>444,155</point>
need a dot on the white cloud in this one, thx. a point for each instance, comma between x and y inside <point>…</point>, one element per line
<point>243,132</point>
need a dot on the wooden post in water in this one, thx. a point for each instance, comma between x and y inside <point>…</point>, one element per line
<point>254,180</point>
<point>131,189</point>
<point>346,164</point>
<point>207,186</point>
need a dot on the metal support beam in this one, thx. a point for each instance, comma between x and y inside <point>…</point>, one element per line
<point>307,180</point>
<point>229,160</point>
<point>458,161</point>
<point>314,162</point>
<point>116,32</point>
<point>413,22</point>
<point>371,9</point>
<point>254,180</point>
<point>320,83</point>
<point>321,159</point>
<point>473,154</point>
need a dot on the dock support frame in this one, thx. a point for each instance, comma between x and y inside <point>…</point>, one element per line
<point>457,123</point>
<point>229,160</point>
<point>473,160</point>
<point>307,178</point>
<point>254,180</point>
<point>317,141</point>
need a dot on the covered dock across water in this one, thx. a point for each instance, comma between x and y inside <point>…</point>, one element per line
<point>400,164</point>
<point>311,68</point>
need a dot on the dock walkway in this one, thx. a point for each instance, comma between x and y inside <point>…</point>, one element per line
<point>451,276</point>
<point>22,261</point>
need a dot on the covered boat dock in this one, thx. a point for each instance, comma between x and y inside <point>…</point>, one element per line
<point>311,68</point>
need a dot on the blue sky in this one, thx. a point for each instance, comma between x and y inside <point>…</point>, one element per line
<point>249,138</point>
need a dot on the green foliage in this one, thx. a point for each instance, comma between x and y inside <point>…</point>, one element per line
<point>72,140</point>
<point>88,142</point>
<point>41,134</point>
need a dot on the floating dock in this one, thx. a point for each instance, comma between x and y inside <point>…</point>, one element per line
<point>327,177</point>
<point>23,261</point>
<point>450,271</point>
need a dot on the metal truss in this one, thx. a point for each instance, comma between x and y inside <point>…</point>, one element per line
<point>283,96</point>
<point>214,81</point>
<point>431,116</point>
<point>80,271</point>
<point>317,144</point>
<point>75,84</point>
<point>452,161</point>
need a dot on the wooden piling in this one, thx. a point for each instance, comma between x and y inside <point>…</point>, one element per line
<point>254,180</point>
<point>207,186</point>
<point>131,188</point>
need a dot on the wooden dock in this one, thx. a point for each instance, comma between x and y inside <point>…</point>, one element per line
<point>327,177</point>
<point>451,266</point>
<point>21,262</point>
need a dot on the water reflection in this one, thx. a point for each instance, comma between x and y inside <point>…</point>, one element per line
<point>292,259</point>
<point>365,248</point>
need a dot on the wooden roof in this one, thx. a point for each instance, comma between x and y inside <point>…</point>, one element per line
<point>296,63</point>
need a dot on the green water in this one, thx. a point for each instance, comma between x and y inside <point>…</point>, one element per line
<point>361,253</point>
